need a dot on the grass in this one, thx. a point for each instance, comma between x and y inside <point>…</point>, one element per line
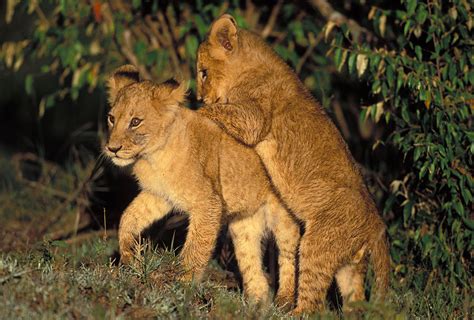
<point>51,282</point>
<point>43,278</point>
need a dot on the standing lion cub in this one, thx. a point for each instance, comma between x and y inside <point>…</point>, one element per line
<point>185,161</point>
<point>254,95</point>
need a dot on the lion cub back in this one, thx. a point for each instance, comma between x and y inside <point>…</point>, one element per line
<point>238,170</point>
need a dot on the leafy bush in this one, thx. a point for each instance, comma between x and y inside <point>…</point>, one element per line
<point>421,80</point>
<point>80,43</point>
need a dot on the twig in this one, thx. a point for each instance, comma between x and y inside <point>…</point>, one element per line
<point>312,45</point>
<point>127,51</point>
<point>13,275</point>
<point>42,16</point>
<point>267,30</point>
<point>328,12</point>
<point>173,24</point>
<point>70,232</point>
<point>85,236</point>
<point>251,15</point>
<point>340,118</point>
<point>167,34</point>
<point>155,35</point>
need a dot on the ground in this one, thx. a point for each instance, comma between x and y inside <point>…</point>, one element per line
<point>53,266</point>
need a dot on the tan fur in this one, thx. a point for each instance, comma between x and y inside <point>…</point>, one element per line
<point>257,98</point>
<point>183,160</point>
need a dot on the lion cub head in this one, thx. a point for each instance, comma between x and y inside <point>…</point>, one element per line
<point>230,56</point>
<point>140,114</point>
<point>218,60</point>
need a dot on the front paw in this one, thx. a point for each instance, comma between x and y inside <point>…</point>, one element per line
<point>297,312</point>
<point>190,276</point>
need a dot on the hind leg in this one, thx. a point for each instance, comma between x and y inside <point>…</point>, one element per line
<point>350,280</point>
<point>247,234</point>
<point>287,236</point>
<point>319,259</point>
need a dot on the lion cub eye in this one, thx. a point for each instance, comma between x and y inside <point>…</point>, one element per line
<point>135,122</point>
<point>111,119</point>
<point>203,74</point>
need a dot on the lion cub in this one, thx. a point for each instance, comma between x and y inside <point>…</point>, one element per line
<point>185,161</point>
<point>253,94</point>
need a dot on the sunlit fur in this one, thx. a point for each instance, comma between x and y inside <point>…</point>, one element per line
<point>255,96</point>
<point>183,160</point>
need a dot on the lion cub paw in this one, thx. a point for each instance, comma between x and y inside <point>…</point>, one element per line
<point>126,258</point>
<point>190,276</point>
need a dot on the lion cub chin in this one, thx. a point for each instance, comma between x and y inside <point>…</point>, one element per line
<point>184,161</point>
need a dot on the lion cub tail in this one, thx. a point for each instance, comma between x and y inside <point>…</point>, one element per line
<point>380,260</point>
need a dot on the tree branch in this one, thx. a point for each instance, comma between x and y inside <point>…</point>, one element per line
<point>313,42</point>
<point>127,51</point>
<point>267,30</point>
<point>328,12</point>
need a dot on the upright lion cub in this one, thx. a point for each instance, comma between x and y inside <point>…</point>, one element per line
<point>185,161</point>
<point>255,96</point>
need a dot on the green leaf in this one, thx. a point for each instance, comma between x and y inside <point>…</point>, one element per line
<point>351,62</point>
<point>423,169</point>
<point>407,211</point>
<point>136,3</point>
<point>416,153</point>
<point>421,15</point>
<point>411,7</point>
<point>405,114</point>
<point>191,45</point>
<point>363,115</point>
<point>390,74</point>
<point>337,56</point>
<point>201,26</point>
<point>458,207</point>
<point>59,244</point>
<point>400,76</point>
<point>29,84</point>
<point>418,53</point>
<point>426,243</point>
<point>343,60</point>
<point>469,223</point>
<point>406,29</point>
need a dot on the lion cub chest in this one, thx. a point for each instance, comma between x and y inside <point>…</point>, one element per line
<point>163,174</point>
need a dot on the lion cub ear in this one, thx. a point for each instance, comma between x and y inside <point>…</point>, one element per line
<point>223,34</point>
<point>173,92</point>
<point>121,77</point>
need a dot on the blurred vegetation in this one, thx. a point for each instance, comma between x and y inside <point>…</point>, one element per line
<point>397,78</point>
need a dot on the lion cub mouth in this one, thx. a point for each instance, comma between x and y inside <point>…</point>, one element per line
<point>122,162</point>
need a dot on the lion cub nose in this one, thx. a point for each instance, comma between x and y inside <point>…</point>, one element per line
<point>114,149</point>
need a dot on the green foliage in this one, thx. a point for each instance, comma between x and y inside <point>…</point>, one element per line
<point>421,81</point>
<point>81,43</point>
